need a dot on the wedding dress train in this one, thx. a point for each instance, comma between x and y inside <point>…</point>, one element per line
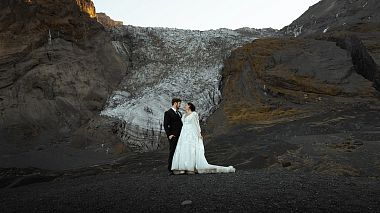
<point>189,155</point>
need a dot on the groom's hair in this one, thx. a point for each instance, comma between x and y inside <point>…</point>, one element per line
<point>175,100</point>
<point>192,107</point>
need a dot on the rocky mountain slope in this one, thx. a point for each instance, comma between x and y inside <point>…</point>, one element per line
<point>354,25</point>
<point>335,53</point>
<point>58,67</point>
<point>332,15</point>
<point>311,101</point>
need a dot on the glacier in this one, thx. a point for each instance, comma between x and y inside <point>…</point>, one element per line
<point>167,63</point>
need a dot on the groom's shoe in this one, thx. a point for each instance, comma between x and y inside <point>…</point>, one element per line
<point>170,173</point>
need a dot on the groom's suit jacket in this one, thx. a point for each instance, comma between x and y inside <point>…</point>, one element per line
<point>172,123</point>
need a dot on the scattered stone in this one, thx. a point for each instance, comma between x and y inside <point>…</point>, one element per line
<point>357,126</point>
<point>358,143</point>
<point>186,202</point>
<point>286,164</point>
<point>40,147</point>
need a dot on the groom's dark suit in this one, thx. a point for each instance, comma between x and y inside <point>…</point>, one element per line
<point>172,126</point>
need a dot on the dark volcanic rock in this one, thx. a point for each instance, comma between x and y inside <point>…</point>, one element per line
<point>106,21</point>
<point>354,25</point>
<point>57,67</point>
<point>329,15</point>
<point>272,79</point>
<point>363,57</point>
<point>313,94</point>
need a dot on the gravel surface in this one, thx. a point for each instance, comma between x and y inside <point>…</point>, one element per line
<point>262,190</point>
<point>345,143</point>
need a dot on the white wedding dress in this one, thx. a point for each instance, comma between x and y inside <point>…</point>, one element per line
<point>190,153</point>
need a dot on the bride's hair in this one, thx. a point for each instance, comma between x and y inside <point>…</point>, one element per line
<point>192,107</point>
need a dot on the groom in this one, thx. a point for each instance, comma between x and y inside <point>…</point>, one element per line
<point>173,126</point>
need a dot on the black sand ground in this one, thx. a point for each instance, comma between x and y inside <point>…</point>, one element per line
<point>325,163</point>
<point>244,191</point>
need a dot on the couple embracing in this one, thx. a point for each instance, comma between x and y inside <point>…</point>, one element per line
<point>187,154</point>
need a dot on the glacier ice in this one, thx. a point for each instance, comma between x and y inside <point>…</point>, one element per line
<point>167,63</point>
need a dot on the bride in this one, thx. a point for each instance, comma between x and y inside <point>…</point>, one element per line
<point>189,156</point>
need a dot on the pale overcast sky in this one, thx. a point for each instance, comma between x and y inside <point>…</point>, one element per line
<point>205,14</point>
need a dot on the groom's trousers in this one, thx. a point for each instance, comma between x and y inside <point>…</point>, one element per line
<point>172,145</point>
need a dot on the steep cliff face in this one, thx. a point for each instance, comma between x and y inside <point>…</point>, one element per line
<point>57,67</point>
<point>88,7</point>
<point>169,63</point>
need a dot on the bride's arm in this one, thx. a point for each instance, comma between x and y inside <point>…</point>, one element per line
<point>197,126</point>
